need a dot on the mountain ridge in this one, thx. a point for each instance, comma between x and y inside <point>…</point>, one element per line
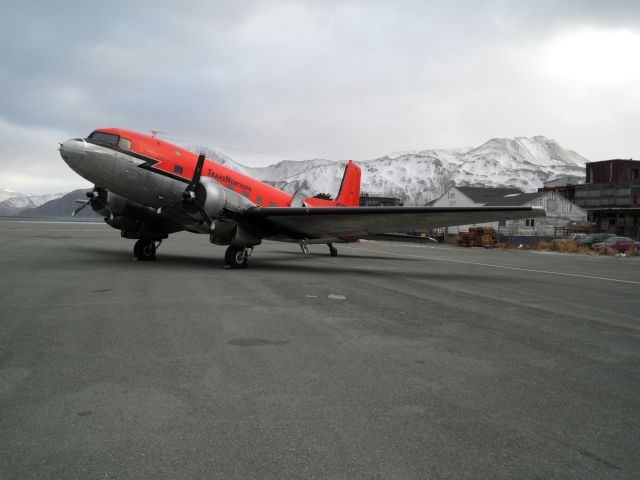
<point>415,177</point>
<point>419,177</point>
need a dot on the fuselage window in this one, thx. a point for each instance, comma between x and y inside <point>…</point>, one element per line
<point>177,168</point>
<point>124,143</point>
<point>259,200</point>
<point>245,194</point>
<point>105,137</point>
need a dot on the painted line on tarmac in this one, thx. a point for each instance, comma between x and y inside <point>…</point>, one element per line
<point>493,265</point>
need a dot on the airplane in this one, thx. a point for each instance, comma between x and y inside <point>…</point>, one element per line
<point>149,188</point>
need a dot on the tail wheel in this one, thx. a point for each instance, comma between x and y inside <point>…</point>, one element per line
<point>333,251</point>
<point>236,257</point>
<point>145,250</point>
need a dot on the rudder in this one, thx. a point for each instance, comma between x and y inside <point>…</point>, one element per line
<point>349,194</point>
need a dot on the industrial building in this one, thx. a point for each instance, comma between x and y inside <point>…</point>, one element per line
<point>611,196</point>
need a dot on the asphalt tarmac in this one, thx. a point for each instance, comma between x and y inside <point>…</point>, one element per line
<point>391,361</point>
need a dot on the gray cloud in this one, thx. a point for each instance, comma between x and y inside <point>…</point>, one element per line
<point>335,79</point>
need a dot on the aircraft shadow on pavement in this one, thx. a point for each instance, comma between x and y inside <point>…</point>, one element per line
<point>287,261</point>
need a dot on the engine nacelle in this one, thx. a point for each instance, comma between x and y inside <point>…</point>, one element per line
<point>214,198</point>
<point>109,204</point>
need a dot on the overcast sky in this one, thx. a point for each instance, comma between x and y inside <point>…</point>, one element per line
<point>305,79</point>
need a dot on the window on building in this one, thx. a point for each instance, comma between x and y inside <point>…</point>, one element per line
<point>530,222</point>
<point>502,223</point>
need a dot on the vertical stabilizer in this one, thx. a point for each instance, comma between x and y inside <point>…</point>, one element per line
<point>349,195</point>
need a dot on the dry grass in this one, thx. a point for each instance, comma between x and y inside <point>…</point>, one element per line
<point>568,247</point>
<point>565,247</point>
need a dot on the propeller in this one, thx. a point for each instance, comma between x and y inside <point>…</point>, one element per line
<point>189,196</point>
<point>95,200</point>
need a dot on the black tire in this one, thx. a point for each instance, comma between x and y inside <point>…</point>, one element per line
<point>333,251</point>
<point>235,257</point>
<point>144,250</point>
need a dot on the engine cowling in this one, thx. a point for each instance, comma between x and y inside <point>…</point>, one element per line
<point>215,198</point>
<point>109,205</point>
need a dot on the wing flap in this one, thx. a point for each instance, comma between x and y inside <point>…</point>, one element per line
<point>324,222</point>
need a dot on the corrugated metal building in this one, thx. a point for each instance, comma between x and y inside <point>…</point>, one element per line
<point>560,211</point>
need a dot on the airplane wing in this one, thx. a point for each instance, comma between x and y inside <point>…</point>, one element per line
<point>328,222</point>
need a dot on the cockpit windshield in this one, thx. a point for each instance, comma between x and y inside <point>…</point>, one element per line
<point>105,137</point>
<point>111,139</point>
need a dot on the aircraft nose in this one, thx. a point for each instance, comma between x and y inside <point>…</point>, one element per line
<point>72,151</point>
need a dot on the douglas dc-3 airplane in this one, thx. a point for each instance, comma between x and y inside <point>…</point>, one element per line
<point>148,188</point>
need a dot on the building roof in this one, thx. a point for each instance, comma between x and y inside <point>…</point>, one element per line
<point>487,194</point>
<point>564,181</point>
<point>515,200</point>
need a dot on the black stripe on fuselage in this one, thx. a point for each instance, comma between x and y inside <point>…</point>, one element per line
<point>149,162</point>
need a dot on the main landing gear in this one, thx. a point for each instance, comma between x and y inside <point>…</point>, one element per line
<point>237,257</point>
<point>333,251</point>
<point>145,249</point>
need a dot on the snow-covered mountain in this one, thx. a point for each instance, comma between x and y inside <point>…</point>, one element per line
<point>14,202</point>
<point>61,207</point>
<point>7,194</point>
<point>418,177</point>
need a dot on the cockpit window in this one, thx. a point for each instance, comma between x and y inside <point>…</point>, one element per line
<point>124,143</point>
<point>111,139</point>
<point>105,137</point>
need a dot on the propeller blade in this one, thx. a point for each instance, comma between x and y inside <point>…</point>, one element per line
<point>189,199</point>
<point>205,215</point>
<point>79,209</point>
<point>197,173</point>
<point>103,205</point>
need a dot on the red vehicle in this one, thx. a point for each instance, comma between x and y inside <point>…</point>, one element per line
<point>620,244</point>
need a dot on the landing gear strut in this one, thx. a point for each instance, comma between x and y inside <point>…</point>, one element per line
<point>333,251</point>
<point>237,257</point>
<point>304,247</point>
<point>145,249</point>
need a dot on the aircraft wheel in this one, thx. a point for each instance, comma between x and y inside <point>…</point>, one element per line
<point>333,250</point>
<point>236,257</point>
<point>145,250</point>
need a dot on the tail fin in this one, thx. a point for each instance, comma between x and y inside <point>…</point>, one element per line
<point>349,194</point>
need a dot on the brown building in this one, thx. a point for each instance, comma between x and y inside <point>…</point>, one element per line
<point>613,171</point>
<point>611,196</point>
<point>377,200</point>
